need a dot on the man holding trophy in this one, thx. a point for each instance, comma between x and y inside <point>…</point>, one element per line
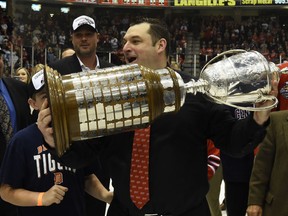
<point>176,180</point>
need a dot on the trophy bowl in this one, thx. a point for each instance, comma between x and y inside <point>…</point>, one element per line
<point>240,77</point>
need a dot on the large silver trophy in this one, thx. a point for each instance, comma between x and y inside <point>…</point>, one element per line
<point>97,103</point>
<point>239,77</point>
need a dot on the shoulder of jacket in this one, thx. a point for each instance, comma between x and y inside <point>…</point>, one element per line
<point>279,114</point>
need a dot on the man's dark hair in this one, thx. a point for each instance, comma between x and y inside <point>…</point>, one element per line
<point>158,29</point>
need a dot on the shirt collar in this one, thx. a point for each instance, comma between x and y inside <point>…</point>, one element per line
<point>85,68</point>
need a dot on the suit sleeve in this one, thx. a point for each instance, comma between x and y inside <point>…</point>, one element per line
<point>259,181</point>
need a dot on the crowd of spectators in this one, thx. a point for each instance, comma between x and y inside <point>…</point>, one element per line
<point>264,34</point>
<point>38,37</point>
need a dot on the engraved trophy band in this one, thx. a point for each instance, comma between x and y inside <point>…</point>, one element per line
<point>91,104</point>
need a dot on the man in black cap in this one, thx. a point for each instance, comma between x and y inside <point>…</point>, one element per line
<point>85,37</point>
<point>14,115</point>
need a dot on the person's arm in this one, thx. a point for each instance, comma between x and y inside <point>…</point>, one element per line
<point>261,172</point>
<point>254,210</point>
<point>94,187</point>
<point>246,134</point>
<point>23,197</point>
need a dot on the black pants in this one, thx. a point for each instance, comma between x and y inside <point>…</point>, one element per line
<point>116,209</point>
<point>236,196</point>
<point>94,207</point>
<point>7,209</point>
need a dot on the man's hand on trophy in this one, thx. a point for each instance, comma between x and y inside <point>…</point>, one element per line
<point>44,124</point>
<point>262,116</point>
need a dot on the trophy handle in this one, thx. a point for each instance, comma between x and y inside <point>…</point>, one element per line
<point>267,97</point>
<point>228,52</point>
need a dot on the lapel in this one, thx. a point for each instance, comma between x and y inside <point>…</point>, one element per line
<point>74,64</point>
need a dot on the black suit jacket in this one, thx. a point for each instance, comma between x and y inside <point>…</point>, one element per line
<point>71,64</point>
<point>19,96</point>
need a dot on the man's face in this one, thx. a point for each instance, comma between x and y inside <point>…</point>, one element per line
<point>85,41</point>
<point>138,47</point>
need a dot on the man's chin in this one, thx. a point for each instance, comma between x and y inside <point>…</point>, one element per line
<point>133,62</point>
<point>85,53</point>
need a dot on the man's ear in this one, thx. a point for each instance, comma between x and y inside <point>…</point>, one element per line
<point>162,43</point>
<point>32,103</point>
<point>97,37</point>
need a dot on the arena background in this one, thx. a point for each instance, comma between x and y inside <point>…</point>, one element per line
<point>31,31</point>
<point>198,28</point>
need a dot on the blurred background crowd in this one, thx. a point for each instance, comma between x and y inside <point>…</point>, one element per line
<point>31,38</point>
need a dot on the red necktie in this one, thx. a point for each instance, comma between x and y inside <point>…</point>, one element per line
<point>139,175</point>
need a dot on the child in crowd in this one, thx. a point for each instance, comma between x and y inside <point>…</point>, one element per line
<point>35,180</point>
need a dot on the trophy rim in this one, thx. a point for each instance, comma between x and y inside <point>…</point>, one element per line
<point>55,93</point>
